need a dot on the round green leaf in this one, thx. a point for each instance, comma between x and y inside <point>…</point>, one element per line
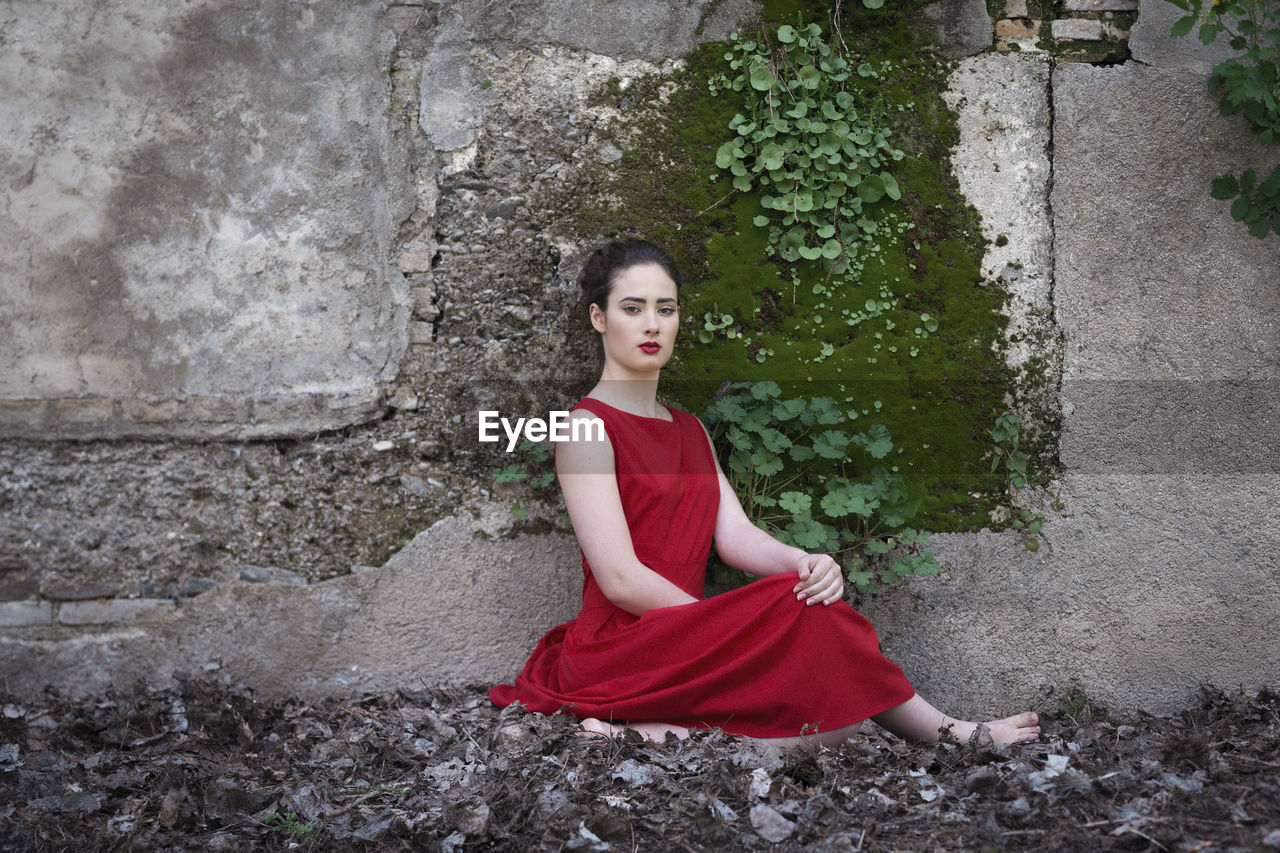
<point>762,78</point>
<point>1225,187</point>
<point>871,189</point>
<point>786,34</point>
<point>726,154</point>
<point>891,188</point>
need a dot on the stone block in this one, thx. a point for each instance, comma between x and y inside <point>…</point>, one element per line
<point>1019,29</point>
<point>1084,29</point>
<point>1100,5</point>
<point>960,27</point>
<point>415,260</point>
<point>135,276</point>
<point>104,611</point>
<point>1150,41</point>
<point>20,614</point>
<point>1016,9</point>
<point>149,412</point>
<point>421,332</point>
<point>81,411</point>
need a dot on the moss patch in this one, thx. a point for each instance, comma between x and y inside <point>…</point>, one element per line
<point>866,346</point>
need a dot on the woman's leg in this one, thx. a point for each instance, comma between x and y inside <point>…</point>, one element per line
<point>916,719</point>
<point>658,732</point>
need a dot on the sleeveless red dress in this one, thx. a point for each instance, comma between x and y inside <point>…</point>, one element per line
<point>753,661</point>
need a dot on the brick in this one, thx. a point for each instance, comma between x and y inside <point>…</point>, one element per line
<point>18,614</point>
<point>1077,28</point>
<point>103,611</point>
<point>1100,5</point>
<point>1007,29</point>
<point>83,411</point>
<point>149,412</point>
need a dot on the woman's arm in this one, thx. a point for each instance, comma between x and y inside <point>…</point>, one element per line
<point>590,485</point>
<point>744,546</point>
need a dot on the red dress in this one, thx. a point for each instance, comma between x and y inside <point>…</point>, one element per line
<point>753,661</point>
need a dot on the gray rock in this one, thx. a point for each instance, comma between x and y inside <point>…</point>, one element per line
<point>417,485</point>
<point>960,27</point>
<point>504,209</point>
<point>1150,42</point>
<point>268,574</point>
<point>192,587</point>
<point>609,153</point>
<point>450,110</point>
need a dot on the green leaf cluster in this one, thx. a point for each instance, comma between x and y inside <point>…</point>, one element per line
<point>802,478</point>
<point>717,322</point>
<point>534,468</point>
<point>1006,434</point>
<point>1257,205</point>
<point>813,143</point>
<point>1251,85</point>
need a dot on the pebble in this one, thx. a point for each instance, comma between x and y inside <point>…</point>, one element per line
<point>384,445</point>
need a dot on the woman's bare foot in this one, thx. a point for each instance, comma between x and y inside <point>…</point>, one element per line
<point>648,731</point>
<point>918,720</point>
<point>1019,728</point>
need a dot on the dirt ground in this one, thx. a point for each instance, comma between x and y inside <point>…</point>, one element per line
<point>205,766</point>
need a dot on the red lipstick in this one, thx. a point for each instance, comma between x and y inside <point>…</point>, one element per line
<point>650,347</point>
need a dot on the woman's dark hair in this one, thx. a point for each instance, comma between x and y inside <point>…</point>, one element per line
<point>610,260</point>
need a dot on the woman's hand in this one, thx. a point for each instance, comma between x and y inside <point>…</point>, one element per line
<point>821,581</point>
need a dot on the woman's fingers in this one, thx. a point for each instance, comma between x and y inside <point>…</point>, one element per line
<point>821,580</point>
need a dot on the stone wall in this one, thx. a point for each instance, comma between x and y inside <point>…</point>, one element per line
<point>1158,332</point>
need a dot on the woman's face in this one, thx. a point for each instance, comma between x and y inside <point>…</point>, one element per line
<point>640,323</point>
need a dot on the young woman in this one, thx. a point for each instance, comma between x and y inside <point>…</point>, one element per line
<point>783,658</point>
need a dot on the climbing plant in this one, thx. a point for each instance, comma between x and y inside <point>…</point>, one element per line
<point>1250,84</point>
<point>811,142</point>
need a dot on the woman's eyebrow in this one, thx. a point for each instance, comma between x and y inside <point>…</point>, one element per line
<point>641,300</point>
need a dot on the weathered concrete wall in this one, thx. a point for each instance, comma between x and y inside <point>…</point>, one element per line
<point>200,207</point>
<point>1154,576</point>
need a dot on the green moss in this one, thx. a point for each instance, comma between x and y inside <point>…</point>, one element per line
<point>938,403</point>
